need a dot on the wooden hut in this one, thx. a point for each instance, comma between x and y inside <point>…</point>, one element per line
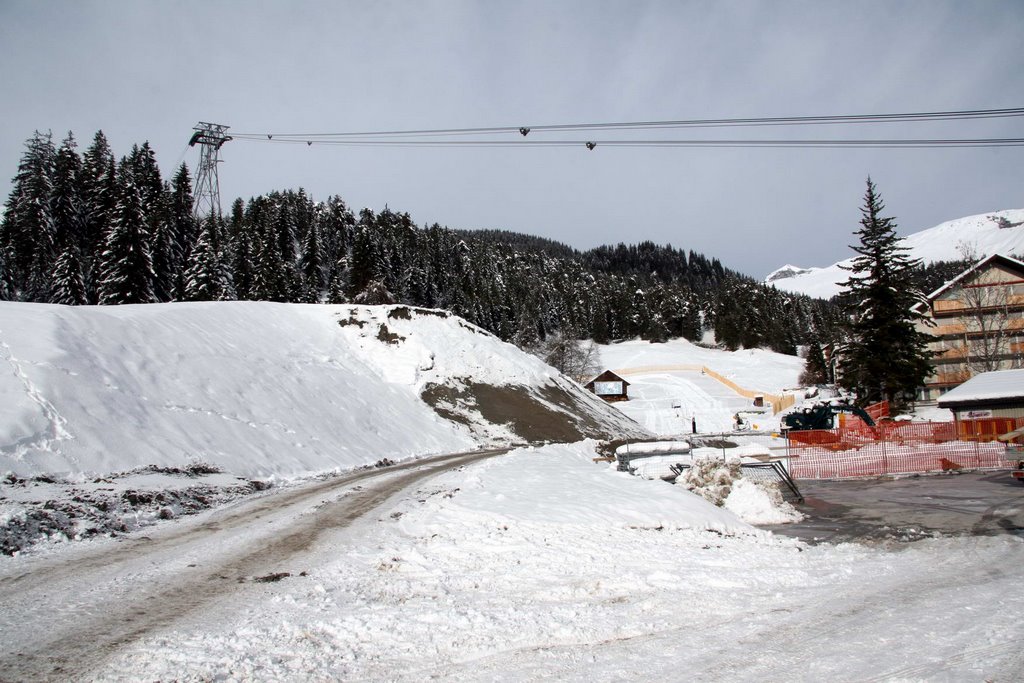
<point>609,386</point>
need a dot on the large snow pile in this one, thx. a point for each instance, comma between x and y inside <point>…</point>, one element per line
<point>264,389</point>
<point>1000,232</point>
<point>561,486</point>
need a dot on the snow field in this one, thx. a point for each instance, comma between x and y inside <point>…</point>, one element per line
<point>541,564</point>
<point>666,401</point>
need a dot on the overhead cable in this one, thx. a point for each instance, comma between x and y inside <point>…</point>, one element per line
<point>523,130</point>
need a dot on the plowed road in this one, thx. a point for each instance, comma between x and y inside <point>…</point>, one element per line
<point>68,612</point>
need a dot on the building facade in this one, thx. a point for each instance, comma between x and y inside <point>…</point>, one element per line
<point>987,406</point>
<point>976,322</point>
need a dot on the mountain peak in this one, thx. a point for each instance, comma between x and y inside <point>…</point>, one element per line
<point>979,236</point>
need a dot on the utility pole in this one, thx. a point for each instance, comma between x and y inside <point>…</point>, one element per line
<point>210,136</point>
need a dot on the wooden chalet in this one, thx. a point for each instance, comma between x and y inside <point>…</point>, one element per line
<point>609,386</point>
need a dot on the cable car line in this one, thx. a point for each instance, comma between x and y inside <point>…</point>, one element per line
<point>522,130</point>
<point>909,143</point>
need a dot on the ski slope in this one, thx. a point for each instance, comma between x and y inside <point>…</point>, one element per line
<point>668,403</point>
<point>667,390</point>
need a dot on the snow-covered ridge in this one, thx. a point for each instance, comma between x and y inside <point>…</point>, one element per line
<point>1000,232</point>
<point>258,389</point>
<point>786,271</point>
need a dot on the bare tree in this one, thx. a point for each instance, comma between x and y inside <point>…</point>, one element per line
<point>577,359</point>
<point>986,320</point>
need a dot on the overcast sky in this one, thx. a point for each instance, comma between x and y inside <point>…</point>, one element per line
<point>151,70</point>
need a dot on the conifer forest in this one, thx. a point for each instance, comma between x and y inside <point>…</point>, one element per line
<point>85,228</point>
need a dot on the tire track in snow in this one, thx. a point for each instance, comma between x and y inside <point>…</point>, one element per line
<point>65,617</point>
<point>43,440</point>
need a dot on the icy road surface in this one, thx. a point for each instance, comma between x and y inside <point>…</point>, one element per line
<point>64,613</point>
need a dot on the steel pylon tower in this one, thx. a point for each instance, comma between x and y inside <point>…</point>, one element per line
<point>210,137</point>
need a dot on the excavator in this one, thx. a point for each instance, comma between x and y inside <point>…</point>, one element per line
<point>822,416</point>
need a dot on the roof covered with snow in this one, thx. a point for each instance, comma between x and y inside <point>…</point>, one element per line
<point>988,387</point>
<point>999,259</point>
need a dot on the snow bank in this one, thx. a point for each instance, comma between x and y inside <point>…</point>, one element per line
<point>756,504</point>
<point>561,486</point>
<point>258,389</point>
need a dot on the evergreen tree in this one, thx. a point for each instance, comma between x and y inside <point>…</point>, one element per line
<point>885,357</point>
<point>269,278</point>
<point>183,229</point>
<point>28,232</point>
<point>205,279</point>
<point>339,283</point>
<point>242,259</point>
<point>6,286</point>
<point>98,192</point>
<point>141,162</point>
<point>311,265</point>
<point>167,261</point>
<point>66,198</point>
<point>68,282</point>
<point>126,267</point>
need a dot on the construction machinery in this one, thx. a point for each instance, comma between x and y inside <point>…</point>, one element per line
<point>822,416</point>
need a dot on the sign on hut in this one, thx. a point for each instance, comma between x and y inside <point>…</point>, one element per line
<point>609,386</point>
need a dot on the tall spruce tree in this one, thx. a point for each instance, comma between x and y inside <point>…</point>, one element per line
<point>126,267</point>
<point>66,197</point>
<point>885,357</point>
<point>99,196</point>
<point>28,232</point>
<point>68,283</point>
<point>205,280</point>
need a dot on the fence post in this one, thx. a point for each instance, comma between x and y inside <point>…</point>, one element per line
<point>882,438</point>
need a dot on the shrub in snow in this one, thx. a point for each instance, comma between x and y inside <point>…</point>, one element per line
<point>711,478</point>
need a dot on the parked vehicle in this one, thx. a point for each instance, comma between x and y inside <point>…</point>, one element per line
<point>1015,452</point>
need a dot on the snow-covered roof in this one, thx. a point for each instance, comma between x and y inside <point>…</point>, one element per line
<point>987,387</point>
<point>994,258</point>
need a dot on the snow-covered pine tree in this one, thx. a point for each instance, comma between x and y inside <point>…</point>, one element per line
<point>27,232</point>
<point>68,282</point>
<point>126,267</point>
<point>142,163</point>
<point>885,357</point>
<point>204,279</point>
<point>66,198</point>
<point>99,196</point>
<point>183,228</point>
<point>242,261</point>
<point>5,280</point>
<point>269,278</point>
<point>311,265</point>
<point>167,260</point>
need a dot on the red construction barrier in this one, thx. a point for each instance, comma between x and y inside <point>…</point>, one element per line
<point>878,410</point>
<point>889,448</point>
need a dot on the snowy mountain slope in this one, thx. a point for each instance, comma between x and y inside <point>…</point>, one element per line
<point>263,389</point>
<point>1001,232</point>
